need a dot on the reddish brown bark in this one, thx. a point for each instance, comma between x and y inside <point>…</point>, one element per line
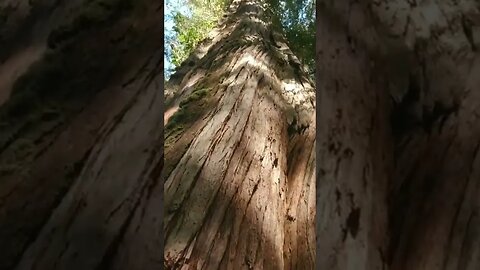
<point>240,195</point>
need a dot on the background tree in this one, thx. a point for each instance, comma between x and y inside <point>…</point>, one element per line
<point>399,135</point>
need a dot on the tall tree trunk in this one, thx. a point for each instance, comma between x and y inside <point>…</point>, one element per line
<point>399,136</point>
<point>240,160</point>
<point>83,180</point>
<point>239,156</point>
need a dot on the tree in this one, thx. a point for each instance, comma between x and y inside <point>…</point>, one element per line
<point>78,156</point>
<point>398,184</point>
<point>239,152</point>
<point>239,147</point>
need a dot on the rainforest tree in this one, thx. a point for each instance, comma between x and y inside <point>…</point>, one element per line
<point>240,150</point>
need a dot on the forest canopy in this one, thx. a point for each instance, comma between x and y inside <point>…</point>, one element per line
<point>187,23</point>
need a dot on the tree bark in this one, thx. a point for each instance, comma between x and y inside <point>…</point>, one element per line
<point>239,158</point>
<point>399,135</point>
<point>239,188</point>
<point>80,177</point>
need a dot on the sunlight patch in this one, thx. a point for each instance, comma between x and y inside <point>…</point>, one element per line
<point>291,86</point>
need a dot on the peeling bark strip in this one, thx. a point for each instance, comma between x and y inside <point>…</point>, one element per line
<point>400,89</point>
<point>239,190</point>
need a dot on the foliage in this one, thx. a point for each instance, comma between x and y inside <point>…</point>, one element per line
<point>190,29</point>
<point>189,33</point>
<point>296,18</point>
